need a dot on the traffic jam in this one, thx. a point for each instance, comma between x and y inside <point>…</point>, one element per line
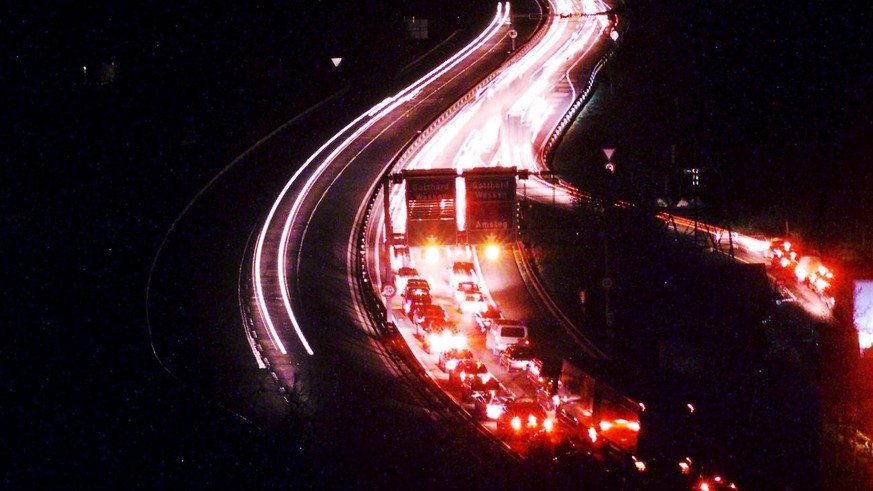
<point>793,269</point>
<point>788,265</point>
<point>549,412</point>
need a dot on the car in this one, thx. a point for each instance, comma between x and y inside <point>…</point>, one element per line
<point>461,289</point>
<point>442,336</point>
<point>503,333</point>
<point>489,405</point>
<point>415,303</point>
<point>714,482</point>
<point>484,318</point>
<point>517,357</point>
<point>547,395</point>
<point>522,418</point>
<point>415,295</point>
<point>544,371</point>
<point>429,313</point>
<point>468,298</point>
<point>449,359</point>
<point>466,368</point>
<point>462,271</point>
<point>424,315</point>
<point>417,284</point>
<point>403,275</point>
<point>544,374</point>
<point>478,385</point>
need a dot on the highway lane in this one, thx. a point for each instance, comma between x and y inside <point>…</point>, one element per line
<point>305,178</point>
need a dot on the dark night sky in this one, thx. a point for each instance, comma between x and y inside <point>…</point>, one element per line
<point>775,97</point>
<point>780,95</point>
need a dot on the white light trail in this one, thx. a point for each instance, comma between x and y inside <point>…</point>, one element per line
<point>375,114</point>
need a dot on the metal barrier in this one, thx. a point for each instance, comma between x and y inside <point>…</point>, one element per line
<point>551,144</point>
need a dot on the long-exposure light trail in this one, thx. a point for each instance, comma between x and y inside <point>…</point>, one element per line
<point>374,114</point>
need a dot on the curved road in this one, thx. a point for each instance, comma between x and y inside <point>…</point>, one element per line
<point>318,339</point>
<point>364,416</point>
<point>306,323</point>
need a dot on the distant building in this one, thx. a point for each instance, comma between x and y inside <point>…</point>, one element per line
<point>103,75</point>
<point>415,27</point>
<point>107,73</point>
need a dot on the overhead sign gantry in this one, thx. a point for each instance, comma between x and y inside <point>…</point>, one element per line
<point>430,207</point>
<point>490,214</point>
<point>488,198</point>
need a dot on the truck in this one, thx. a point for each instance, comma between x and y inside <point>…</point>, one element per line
<point>597,411</point>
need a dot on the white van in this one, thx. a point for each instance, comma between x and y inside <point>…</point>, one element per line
<point>504,332</point>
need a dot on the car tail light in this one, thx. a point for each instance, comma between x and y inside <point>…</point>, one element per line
<point>592,434</point>
<point>516,423</point>
<point>493,411</point>
<point>685,466</point>
<point>640,465</point>
<point>548,424</point>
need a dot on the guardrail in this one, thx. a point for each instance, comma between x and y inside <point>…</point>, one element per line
<point>548,150</point>
<point>530,274</point>
<point>244,288</point>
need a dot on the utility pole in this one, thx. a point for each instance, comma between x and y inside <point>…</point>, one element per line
<point>607,282</point>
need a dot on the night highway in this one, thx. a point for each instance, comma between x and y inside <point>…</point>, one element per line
<point>213,210</point>
<point>303,258</point>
